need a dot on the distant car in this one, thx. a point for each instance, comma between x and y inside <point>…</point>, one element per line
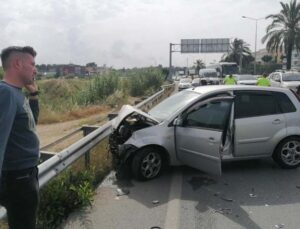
<point>184,84</point>
<point>177,78</point>
<point>289,80</point>
<point>210,75</point>
<point>196,82</point>
<point>205,126</point>
<point>246,79</point>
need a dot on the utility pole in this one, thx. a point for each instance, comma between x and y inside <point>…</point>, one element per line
<point>170,62</point>
<point>241,58</point>
<point>256,20</point>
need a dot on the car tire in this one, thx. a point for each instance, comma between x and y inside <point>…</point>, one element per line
<point>147,164</point>
<point>287,153</point>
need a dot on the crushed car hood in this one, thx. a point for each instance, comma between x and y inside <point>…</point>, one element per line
<point>127,110</point>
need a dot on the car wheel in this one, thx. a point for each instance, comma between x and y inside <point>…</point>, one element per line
<point>147,164</point>
<point>287,153</point>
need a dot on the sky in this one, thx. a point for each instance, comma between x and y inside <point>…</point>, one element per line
<point>128,33</point>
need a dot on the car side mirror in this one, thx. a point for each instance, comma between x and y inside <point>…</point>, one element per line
<point>178,122</point>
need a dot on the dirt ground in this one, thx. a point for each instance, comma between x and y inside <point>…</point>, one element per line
<point>49,133</point>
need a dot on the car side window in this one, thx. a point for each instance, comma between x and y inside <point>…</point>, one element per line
<point>211,115</point>
<point>252,104</point>
<point>285,104</point>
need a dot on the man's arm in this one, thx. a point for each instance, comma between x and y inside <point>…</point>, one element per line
<point>33,100</point>
<point>8,110</point>
<point>34,105</point>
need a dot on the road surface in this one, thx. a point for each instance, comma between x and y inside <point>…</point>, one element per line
<point>250,194</point>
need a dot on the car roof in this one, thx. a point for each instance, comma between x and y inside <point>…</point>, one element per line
<point>220,88</point>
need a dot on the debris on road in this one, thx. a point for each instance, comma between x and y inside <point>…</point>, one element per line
<point>155,227</point>
<point>216,194</point>
<point>279,226</point>
<point>267,205</point>
<point>155,202</point>
<point>298,186</point>
<point>224,211</point>
<point>252,195</point>
<point>226,199</point>
<point>122,192</point>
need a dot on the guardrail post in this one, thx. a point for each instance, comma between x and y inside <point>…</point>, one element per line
<point>87,130</point>
<point>87,158</point>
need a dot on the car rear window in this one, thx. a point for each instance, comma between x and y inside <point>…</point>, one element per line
<point>286,105</point>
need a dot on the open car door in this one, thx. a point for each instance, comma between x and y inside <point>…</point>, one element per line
<point>200,133</point>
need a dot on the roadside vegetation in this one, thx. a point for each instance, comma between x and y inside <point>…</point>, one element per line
<point>68,99</point>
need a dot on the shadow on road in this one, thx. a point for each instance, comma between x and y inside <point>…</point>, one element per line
<point>244,183</point>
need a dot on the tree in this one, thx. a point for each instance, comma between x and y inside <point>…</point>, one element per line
<point>283,34</point>
<point>267,58</point>
<point>92,64</point>
<point>238,48</point>
<point>199,65</point>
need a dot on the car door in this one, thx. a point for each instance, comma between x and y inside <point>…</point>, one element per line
<point>200,135</point>
<point>257,122</point>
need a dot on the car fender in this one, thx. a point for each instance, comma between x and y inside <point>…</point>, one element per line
<point>159,135</point>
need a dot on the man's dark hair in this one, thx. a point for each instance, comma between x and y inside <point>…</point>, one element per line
<point>7,52</point>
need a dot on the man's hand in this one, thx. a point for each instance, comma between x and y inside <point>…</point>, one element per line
<point>32,87</point>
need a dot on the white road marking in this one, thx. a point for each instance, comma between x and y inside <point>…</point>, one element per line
<point>173,210</point>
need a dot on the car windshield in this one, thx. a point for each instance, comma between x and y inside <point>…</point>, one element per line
<point>185,81</point>
<point>291,77</point>
<point>246,77</point>
<point>171,105</point>
<point>210,74</point>
<point>229,69</point>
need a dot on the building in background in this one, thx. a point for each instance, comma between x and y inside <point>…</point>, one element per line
<point>263,52</point>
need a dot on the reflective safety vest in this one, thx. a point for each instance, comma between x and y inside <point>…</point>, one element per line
<point>229,81</point>
<point>263,82</point>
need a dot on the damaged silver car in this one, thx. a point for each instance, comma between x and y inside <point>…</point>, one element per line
<point>205,126</point>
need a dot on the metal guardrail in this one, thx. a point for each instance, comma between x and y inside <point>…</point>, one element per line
<point>55,163</point>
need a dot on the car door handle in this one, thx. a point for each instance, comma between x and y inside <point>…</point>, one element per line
<point>276,121</point>
<point>212,140</point>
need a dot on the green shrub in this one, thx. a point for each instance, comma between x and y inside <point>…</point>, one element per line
<point>69,191</point>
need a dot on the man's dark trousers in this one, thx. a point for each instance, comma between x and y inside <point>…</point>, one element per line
<point>19,194</point>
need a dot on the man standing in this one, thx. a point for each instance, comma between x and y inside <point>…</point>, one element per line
<point>230,80</point>
<point>19,144</point>
<point>264,81</point>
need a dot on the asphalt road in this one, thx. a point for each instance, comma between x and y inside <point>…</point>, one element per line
<point>250,194</point>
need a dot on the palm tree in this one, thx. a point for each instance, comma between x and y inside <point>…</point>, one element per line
<point>239,51</point>
<point>283,34</point>
<point>199,65</point>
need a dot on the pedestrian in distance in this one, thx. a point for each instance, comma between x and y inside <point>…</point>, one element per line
<point>264,81</point>
<point>230,80</point>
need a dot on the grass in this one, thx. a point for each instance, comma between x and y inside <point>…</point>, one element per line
<point>68,99</point>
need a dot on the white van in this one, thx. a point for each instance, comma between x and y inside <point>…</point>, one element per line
<point>210,75</point>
